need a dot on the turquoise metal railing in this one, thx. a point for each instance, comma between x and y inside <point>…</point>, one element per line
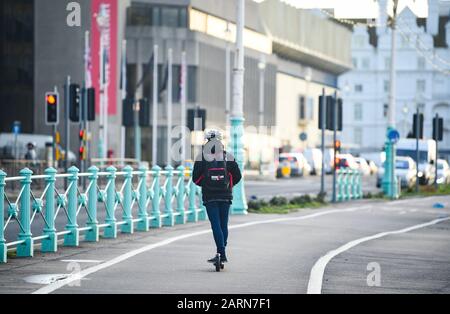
<point>349,185</point>
<point>146,198</point>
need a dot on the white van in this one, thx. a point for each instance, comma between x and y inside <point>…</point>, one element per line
<point>406,147</point>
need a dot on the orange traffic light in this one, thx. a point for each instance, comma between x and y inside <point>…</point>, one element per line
<point>51,99</point>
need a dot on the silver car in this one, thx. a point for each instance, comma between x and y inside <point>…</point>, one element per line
<point>405,170</point>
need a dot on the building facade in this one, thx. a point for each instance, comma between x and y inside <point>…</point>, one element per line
<point>423,80</point>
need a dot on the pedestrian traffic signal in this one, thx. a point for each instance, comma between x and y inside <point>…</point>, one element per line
<point>52,108</point>
<point>144,113</point>
<point>417,130</point>
<point>438,129</point>
<point>82,152</point>
<point>74,103</point>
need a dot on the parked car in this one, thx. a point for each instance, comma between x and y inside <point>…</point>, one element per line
<point>443,172</point>
<point>346,161</point>
<point>292,164</point>
<point>405,170</point>
<point>363,166</point>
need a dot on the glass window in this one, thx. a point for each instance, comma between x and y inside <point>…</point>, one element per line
<point>358,136</point>
<point>358,114</point>
<point>169,16</point>
<point>386,86</point>
<point>423,155</point>
<point>355,63</point>
<point>182,17</point>
<point>401,164</point>
<point>385,110</point>
<point>421,63</point>
<point>387,63</point>
<point>420,85</point>
<point>365,63</point>
<point>156,16</point>
<point>358,88</point>
<point>192,84</point>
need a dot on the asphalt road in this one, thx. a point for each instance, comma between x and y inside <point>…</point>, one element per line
<point>356,247</point>
<point>289,187</point>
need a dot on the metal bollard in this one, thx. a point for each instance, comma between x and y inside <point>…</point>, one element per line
<point>111,229</point>
<point>127,201</point>
<point>50,244</point>
<point>25,249</point>
<point>156,213</point>
<point>354,184</point>
<point>73,238</point>
<point>168,193</point>
<point>143,224</point>
<point>3,248</point>
<point>93,234</point>
<point>181,218</point>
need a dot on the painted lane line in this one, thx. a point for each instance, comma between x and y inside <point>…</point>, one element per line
<point>80,261</point>
<point>61,283</point>
<point>318,270</point>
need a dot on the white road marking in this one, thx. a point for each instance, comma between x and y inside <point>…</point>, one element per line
<point>61,283</point>
<point>80,261</point>
<point>45,279</point>
<point>318,270</point>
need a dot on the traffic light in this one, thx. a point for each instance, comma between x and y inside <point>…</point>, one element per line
<point>193,114</point>
<point>321,106</point>
<point>330,110</point>
<point>337,146</point>
<point>414,130</point>
<point>340,107</point>
<point>127,112</point>
<point>90,104</point>
<point>82,135</point>
<point>438,129</point>
<point>51,108</point>
<point>144,113</point>
<point>74,102</point>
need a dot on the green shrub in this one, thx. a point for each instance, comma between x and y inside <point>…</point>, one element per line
<point>320,198</point>
<point>278,201</point>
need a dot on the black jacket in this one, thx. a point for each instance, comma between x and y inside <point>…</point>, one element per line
<point>198,175</point>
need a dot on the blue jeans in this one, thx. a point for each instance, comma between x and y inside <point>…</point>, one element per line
<point>218,216</point>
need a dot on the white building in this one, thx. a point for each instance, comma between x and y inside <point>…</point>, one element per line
<point>423,78</point>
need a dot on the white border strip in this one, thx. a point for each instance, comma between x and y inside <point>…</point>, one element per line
<point>75,277</point>
<point>318,270</point>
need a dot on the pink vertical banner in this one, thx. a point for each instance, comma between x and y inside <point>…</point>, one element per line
<point>104,43</point>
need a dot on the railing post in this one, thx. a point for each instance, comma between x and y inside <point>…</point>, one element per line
<point>181,218</point>
<point>143,225</point>
<point>73,238</point>
<point>360,192</point>
<point>93,234</point>
<point>51,243</point>
<point>127,201</point>
<point>355,184</point>
<point>346,185</point>
<point>111,230</point>
<point>156,221</point>
<point>25,249</point>
<point>202,213</point>
<point>339,185</point>
<point>3,248</point>
<point>193,214</point>
<point>168,219</point>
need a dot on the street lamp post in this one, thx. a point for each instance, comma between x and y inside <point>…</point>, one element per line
<point>137,131</point>
<point>237,115</point>
<point>390,187</point>
<point>262,70</point>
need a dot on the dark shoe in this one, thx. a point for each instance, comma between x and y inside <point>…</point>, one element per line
<point>223,259</point>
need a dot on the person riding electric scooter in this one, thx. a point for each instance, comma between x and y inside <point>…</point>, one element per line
<point>216,171</point>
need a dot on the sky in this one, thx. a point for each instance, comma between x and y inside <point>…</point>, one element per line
<point>358,8</point>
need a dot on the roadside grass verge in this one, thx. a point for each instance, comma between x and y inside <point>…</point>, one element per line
<point>427,190</point>
<point>281,205</point>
